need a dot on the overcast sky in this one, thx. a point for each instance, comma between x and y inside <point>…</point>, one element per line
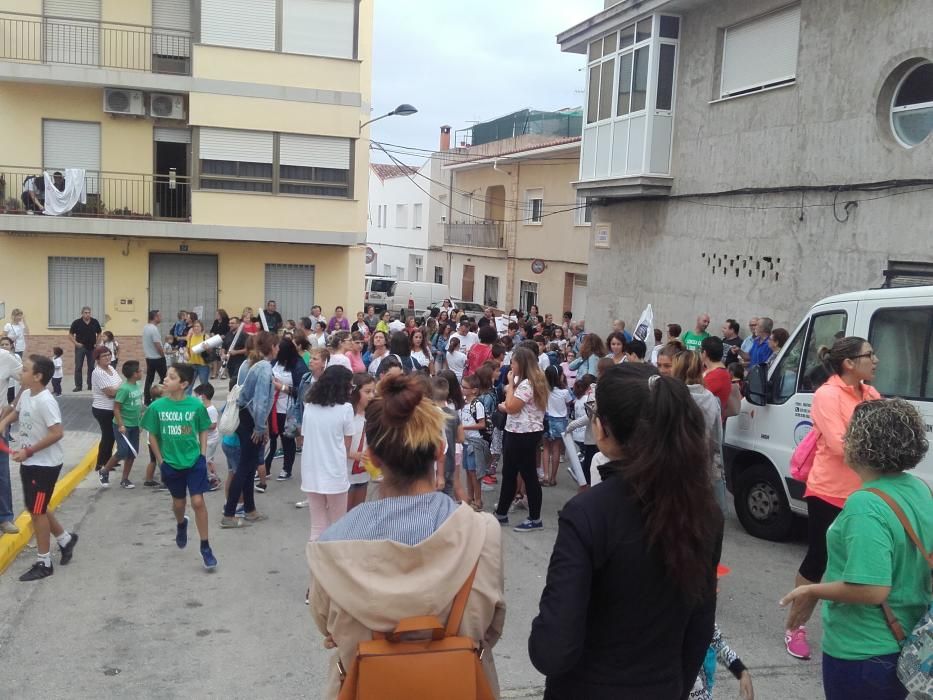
<point>463,62</point>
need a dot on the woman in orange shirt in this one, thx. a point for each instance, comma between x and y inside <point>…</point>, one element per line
<point>850,362</point>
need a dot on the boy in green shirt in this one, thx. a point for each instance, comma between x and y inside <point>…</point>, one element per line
<point>178,426</point>
<point>127,407</point>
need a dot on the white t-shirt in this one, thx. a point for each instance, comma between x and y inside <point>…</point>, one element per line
<point>456,361</point>
<point>544,361</point>
<point>284,377</point>
<point>213,435</point>
<point>357,444</point>
<point>17,333</point>
<point>467,418</point>
<point>422,358</point>
<point>10,369</point>
<point>466,341</point>
<point>374,363</point>
<point>100,380</point>
<point>557,402</point>
<point>579,410</point>
<point>37,414</point>
<point>57,363</point>
<point>324,457</point>
<point>339,359</point>
<point>396,326</point>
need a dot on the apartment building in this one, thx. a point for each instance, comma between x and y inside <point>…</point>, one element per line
<point>223,158</point>
<point>752,156</point>
<point>517,233</point>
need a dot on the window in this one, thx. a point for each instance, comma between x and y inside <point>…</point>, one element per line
<point>400,273</point>
<point>784,378</point>
<point>248,24</point>
<point>232,159</point>
<point>386,270</point>
<point>401,216</point>
<point>665,96</point>
<point>903,339</point>
<point>438,274</point>
<point>583,215</point>
<point>760,53</point>
<point>527,295</point>
<point>416,262</point>
<point>602,77</point>
<point>69,144</point>
<point>314,165</point>
<point>534,206</point>
<point>824,330</point>
<point>912,107</point>
<point>442,200</point>
<point>74,283</point>
<point>416,215</point>
<point>319,27</point>
<point>491,291</point>
<point>292,287</point>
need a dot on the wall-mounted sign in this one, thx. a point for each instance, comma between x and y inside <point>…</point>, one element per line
<point>601,235</point>
<point>537,266</point>
<point>370,255</point>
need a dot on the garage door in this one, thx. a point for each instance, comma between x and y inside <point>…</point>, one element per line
<point>182,282</point>
<point>292,288</point>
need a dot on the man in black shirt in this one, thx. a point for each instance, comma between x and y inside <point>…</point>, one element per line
<point>731,341</point>
<point>236,354</point>
<point>84,334</point>
<point>273,317</point>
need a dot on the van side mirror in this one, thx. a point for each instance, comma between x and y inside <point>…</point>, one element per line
<point>756,390</point>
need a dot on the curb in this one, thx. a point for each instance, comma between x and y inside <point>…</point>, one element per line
<point>12,545</point>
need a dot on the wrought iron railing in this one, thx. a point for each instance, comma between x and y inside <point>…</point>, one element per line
<point>480,235</point>
<point>109,195</point>
<point>39,39</point>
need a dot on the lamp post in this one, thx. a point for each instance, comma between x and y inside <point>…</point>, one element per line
<point>403,110</point>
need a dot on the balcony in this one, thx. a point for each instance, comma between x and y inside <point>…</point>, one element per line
<point>131,196</point>
<point>36,39</point>
<point>479,235</point>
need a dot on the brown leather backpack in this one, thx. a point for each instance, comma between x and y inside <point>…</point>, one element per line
<point>442,667</point>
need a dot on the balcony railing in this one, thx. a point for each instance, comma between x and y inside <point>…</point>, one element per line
<point>484,235</point>
<point>109,195</point>
<point>37,39</point>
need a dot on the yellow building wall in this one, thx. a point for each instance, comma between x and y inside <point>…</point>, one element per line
<point>338,274</point>
<point>556,237</point>
<point>134,12</point>
<point>221,208</point>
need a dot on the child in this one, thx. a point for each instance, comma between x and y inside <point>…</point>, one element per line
<point>364,391</point>
<point>112,345</point>
<point>205,393</point>
<point>178,427</point>
<point>57,375</point>
<point>456,360</point>
<point>556,419</point>
<point>127,407</point>
<point>169,348</point>
<point>155,392</point>
<point>449,481</point>
<point>476,450</point>
<point>40,454</point>
<point>723,653</point>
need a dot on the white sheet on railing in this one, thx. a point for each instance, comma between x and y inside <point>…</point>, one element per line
<point>58,203</point>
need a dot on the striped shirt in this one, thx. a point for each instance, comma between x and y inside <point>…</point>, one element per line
<point>403,519</point>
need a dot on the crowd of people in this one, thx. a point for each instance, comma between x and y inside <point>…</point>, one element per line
<point>400,427</point>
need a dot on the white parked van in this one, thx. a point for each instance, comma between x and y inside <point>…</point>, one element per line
<point>376,292</point>
<point>776,413</point>
<point>422,294</point>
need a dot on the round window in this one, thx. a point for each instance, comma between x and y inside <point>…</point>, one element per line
<point>912,106</point>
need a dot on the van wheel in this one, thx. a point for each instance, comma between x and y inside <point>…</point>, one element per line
<point>761,504</point>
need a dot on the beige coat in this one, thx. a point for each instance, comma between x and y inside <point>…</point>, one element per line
<point>361,586</point>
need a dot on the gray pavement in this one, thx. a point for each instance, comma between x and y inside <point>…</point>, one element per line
<point>134,617</point>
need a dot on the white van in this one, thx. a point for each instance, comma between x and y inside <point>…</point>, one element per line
<point>775,416</point>
<point>423,294</point>
<point>376,291</point>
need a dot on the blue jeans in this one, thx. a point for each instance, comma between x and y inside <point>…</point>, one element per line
<point>203,375</point>
<point>868,679</point>
<point>6,490</point>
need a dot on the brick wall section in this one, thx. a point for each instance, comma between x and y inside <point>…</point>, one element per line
<point>131,348</point>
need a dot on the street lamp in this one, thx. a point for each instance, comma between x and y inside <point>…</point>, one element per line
<point>403,110</point>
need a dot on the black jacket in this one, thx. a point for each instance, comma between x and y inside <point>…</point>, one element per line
<point>610,624</point>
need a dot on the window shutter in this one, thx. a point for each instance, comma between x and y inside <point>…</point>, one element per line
<point>168,15</point>
<point>169,135</point>
<point>248,24</point>
<point>235,145</point>
<point>73,9</point>
<point>76,42</point>
<point>292,288</point>
<point>314,151</point>
<point>73,283</point>
<point>319,27</point>
<point>72,145</point>
<point>761,52</point>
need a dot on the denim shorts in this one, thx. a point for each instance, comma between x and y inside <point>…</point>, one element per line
<point>469,458</point>
<point>556,427</point>
<point>123,450</point>
<point>481,456</point>
<point>232,453</point>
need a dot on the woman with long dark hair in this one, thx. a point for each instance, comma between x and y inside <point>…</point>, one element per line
<point>378,349</point>
<point>591,350</point>
<point>630,600</point>
<point>287,372</point>
<point>526,395</point>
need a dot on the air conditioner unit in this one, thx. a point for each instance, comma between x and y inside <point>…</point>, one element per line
<point>166,106</point>
<point>124,102</point>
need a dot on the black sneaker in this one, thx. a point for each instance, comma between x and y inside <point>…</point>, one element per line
<point>181,533</point>
<point>152,484</point>
<point>38,570</point>
<point>261,487</point>
<point>77,388</point>
<point>127,484</point>
<point>104,476</point>
<point>69,549</point>
<point>283,475</point>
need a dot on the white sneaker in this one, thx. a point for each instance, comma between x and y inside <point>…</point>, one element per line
<point>302,504</point>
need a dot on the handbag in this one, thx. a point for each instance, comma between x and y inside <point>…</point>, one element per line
<point>915,663</point>
<point>801,461</point>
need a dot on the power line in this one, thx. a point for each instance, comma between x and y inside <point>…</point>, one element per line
<point>467,157</point>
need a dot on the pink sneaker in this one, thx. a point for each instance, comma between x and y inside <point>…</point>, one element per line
<point>796,643</point>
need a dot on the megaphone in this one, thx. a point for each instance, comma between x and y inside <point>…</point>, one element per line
<point>212,343</point>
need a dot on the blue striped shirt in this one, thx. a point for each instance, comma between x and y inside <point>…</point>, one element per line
<point>403,519</point>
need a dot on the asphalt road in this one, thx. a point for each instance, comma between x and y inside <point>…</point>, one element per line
<point>134,617</point>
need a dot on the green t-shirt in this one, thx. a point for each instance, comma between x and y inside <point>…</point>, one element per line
<point>867,545</point>
<point>177,426</point>
<point>693,340</point>
<point>130,398</point>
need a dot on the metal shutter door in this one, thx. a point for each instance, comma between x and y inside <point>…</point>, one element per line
<point>72,145</point>
<point>178,281</point>
<point>169,135</point>
<point>761,52</point>
<point>292,288</point>
<point>73,283</point>
<point>249,24</point>
<point>233,144</point>
<point>70,41</point>
<point>171,15</point>
<point>319,27</point>
<point>314,151</point>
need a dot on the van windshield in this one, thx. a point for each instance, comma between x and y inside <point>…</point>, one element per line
<point>383,286</point>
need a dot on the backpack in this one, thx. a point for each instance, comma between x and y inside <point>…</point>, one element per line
<point>915,663</point>
<point>553,358</point>
<point>409,363</point>
<point>230,417</point>
<point>443,667</point>
<point>485,433</point>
